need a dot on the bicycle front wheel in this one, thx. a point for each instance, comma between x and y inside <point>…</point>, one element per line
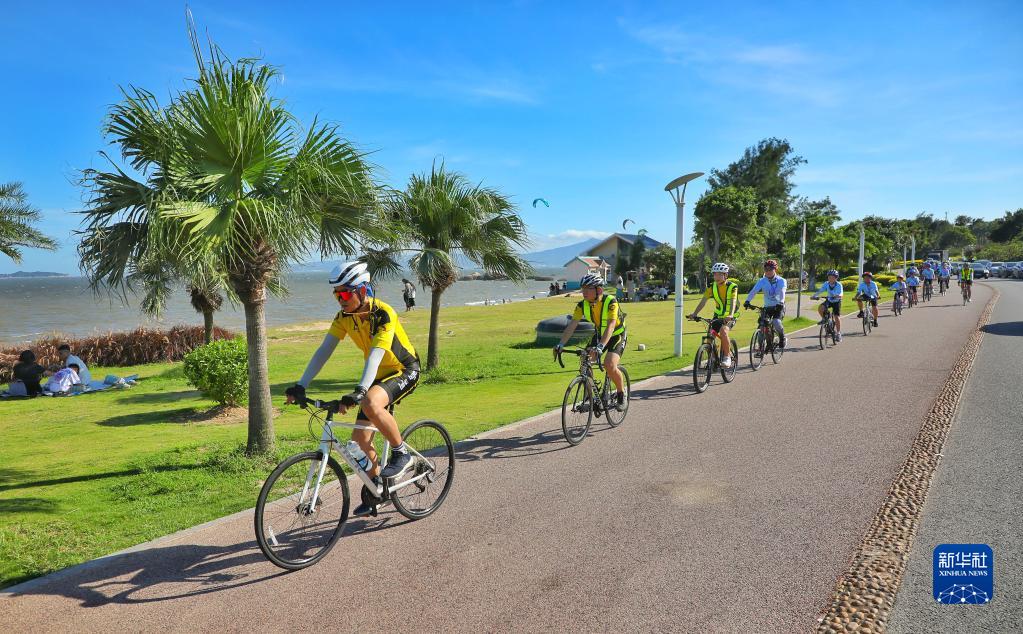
<point>291,530</point>
<point>614,415</point>
<point>823,337</point>
<point>756,350</point>
<point>866,322</point>
<point>776,349</point>
<point>577,410</point>
<point>728,374</point>
<point>702,367</point>
<point>431,474</point>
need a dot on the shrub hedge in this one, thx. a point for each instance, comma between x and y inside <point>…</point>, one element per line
<point>142,345</point>
<point>220,369</point>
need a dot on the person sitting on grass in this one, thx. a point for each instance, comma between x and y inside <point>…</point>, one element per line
<point>29,372</point>
<point>63,379</point>
<point>67,359</point>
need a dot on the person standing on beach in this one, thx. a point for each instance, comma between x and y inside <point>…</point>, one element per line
<point>409,294</point>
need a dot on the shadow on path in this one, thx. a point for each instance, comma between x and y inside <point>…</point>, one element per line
<point>1007,329</point>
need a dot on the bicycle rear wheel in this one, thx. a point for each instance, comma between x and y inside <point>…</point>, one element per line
<point>290,530</point>
<point>615,416</point>
<point>577,410</point>
<point>756,350</point>
<point>728,374</point>
<point>434,468</point>
<point>702,367</point>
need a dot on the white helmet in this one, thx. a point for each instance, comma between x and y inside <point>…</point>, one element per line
<point>719,267</point>
<point>350,274</point>
<point>591,279</point>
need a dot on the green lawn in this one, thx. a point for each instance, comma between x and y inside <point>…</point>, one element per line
<point>85,476</point>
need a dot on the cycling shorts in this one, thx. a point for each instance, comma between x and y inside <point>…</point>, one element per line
<point>834,307</point>
<point>720,322</point>
<point>967,282</point>
<point>397,386</point>
<point>616,344</point>
<point>870,300</point>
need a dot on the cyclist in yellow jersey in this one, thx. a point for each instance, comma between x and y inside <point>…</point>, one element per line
<point>966,279</point>
<point>608,321</point>
<point>390,373</point>
<point>725,294</point>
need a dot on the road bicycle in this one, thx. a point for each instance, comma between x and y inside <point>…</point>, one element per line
<point>303,505</point>
<point>868,316</point>
<point>708,358</point>
<point>897,303</point>
<point>827,336</point>
<point>966,293</point>
<point>913,301</point>
<point>942,285</point>
<point>765,340</point>
<point>928,291</point>
<point>583,400</point>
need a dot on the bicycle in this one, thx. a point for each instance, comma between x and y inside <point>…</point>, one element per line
<point>942,286</point>
<point>966,293</point>
<point>928,291</point>
<point>913,301</point>
<point>764,340</point>
<point>294,524</point>
<point>708,358</point>
<point>897,303</point>
<point>867,315</point>
<point>581,397</point>
<point>827,331</point>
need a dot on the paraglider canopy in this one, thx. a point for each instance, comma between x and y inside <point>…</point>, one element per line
<point>627,221</point>
<point>541,200</point>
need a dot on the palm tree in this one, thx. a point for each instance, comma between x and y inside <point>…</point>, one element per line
<point>227,177</point>
<point>157,277</point>
<point>440,215</point>
<point>16,220</point>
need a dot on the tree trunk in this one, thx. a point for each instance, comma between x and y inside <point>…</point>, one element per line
<point>432,356</point>
<point>207,322</point>
<point>261,424</point>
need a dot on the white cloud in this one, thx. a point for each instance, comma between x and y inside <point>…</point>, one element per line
<point>578,234</point>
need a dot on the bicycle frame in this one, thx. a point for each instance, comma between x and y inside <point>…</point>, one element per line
<point>328,440</point>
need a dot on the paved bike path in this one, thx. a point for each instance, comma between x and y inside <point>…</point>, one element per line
<point>977,493</point>
<point>733,510</point>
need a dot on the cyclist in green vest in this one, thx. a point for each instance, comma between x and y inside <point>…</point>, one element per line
<point>725,294</point>
<point>609,332</point>
<point>966,279</point>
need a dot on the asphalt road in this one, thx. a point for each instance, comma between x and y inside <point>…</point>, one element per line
<point>976,496</point>
<point>732,510</point>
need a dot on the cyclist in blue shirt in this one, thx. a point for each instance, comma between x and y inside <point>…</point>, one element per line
<point>944,275</point>
<point>900,288</point>
<point>927,273</point>
<point>867,291</point>
<point>832,290</point>
<point>912,281</point>
<point>773,286</point>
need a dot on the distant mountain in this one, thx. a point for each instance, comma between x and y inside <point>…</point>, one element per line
<point>559,255</point>
<point>33,274</point>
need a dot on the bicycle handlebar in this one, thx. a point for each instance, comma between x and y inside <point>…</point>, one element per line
<point>577,352</point>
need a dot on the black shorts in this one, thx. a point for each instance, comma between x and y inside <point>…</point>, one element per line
<point>870,300</point>
<point>967,282</point>
<point>834,307</point>
<point>912,289</point>
<point>397,386</point>
<point>616,344</point>
<point>720,322</point>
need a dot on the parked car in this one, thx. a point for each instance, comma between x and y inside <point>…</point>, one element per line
<point>995,269</point>
<point>982,268</point>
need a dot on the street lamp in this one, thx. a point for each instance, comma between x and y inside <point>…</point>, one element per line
<point>677,190</point>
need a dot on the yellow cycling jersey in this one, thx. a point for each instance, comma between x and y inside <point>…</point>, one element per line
<point>380,329</point>
<point>601,314</point>
<point>966,274</point>
<point>725,296</point>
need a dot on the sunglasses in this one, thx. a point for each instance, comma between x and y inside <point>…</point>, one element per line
<point>344,295</point>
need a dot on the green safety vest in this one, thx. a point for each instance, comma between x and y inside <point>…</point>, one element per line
<point>721,303</point>
<point>967,274</point>
<point>620,326</point>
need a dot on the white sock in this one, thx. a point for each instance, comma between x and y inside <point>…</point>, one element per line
<point>402,448</point>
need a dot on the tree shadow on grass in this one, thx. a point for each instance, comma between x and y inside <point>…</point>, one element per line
<point>27,505</point>
<point>153,398</point>
<point>91,476</point>
<point>181,415</point>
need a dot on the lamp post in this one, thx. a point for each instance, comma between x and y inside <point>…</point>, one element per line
<point>677,190</point>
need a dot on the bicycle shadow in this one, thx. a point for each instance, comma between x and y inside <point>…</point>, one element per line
<point>157,574</point>
<point>543,442</point>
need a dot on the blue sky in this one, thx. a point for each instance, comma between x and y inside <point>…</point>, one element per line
<point>897,107</point>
